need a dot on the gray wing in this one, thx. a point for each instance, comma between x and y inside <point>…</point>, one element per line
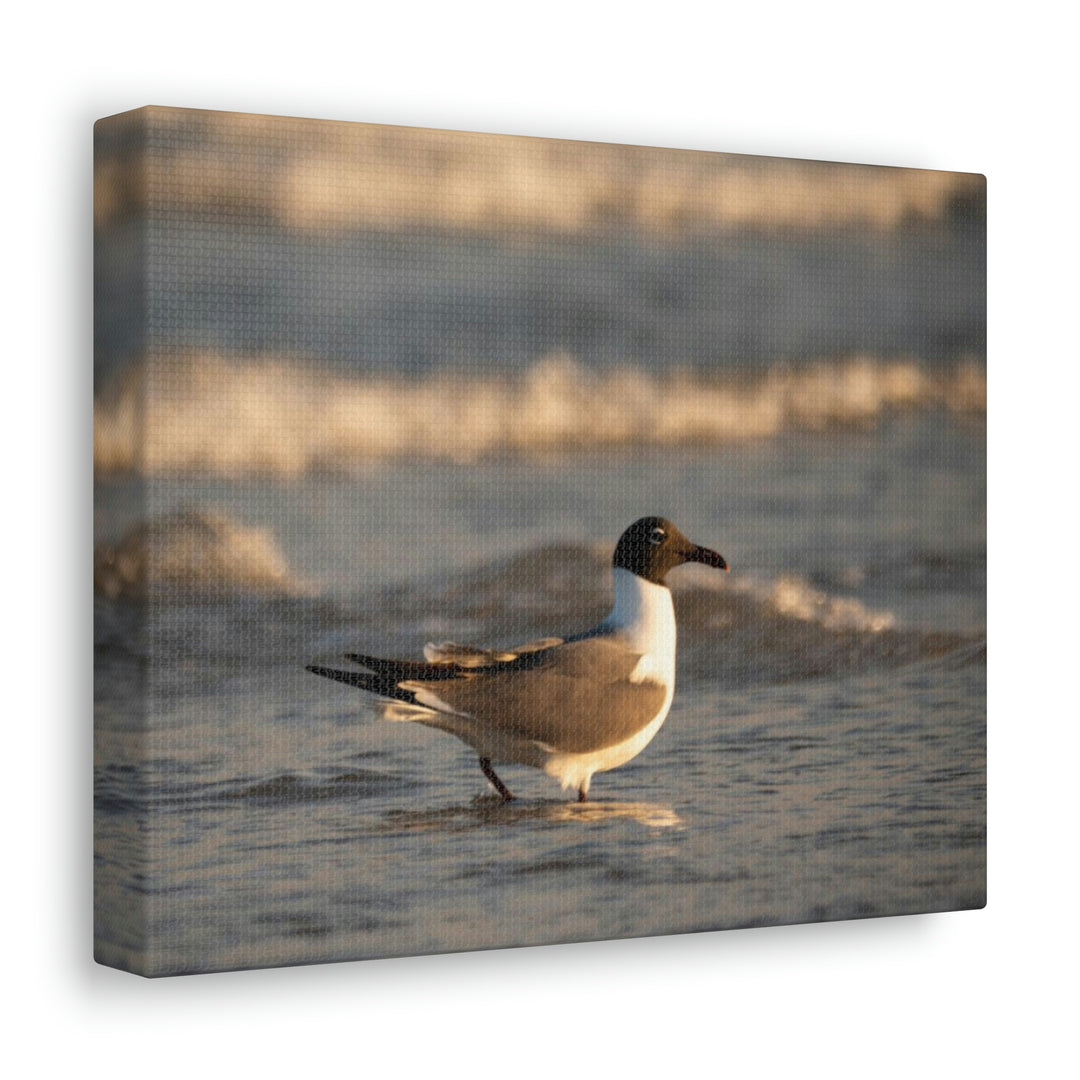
<point>473,656</point>
<point>578,697</point>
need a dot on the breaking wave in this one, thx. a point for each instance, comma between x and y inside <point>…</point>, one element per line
<point>310,174</point>
<point>731,627</point>
<point>206,415</point>
<point>735,628</point>
<point>193,555</point>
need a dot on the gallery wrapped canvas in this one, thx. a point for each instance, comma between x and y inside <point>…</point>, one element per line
<point>508,541</point>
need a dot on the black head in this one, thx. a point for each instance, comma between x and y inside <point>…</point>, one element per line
<point>652,546</point>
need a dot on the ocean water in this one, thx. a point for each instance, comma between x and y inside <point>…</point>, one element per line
<point>824,757</point>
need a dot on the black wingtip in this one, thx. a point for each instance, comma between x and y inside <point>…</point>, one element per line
<point>350,678</point>
<point>332,673</point>
<point>363,680</point>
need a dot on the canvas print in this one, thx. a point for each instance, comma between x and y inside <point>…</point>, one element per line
<point>504,541</point>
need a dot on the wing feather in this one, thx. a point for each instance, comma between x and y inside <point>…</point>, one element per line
<point>579,699</point>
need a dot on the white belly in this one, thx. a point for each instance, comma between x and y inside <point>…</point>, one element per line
<point>575,770</point>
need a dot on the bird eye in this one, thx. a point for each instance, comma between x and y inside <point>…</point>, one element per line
<point>657,536</point>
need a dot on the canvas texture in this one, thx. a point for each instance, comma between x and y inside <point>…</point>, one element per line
<point>381,402</point>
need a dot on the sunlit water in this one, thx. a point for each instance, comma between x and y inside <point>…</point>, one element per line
<point>824,757</point>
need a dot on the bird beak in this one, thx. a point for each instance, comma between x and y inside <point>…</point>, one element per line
<point>707,557</point>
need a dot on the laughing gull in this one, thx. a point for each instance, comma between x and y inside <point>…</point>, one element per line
<point>571,706</point>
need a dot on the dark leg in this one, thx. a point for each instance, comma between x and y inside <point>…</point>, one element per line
<point>500,787</point>
<point>583,794</point>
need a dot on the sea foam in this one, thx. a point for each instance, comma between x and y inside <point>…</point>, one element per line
<point>203,414</point>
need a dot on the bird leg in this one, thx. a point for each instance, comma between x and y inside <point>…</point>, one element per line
<point>496,783</point>
<point>583,794</point>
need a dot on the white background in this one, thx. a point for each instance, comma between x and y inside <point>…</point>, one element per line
<point>936,85</point>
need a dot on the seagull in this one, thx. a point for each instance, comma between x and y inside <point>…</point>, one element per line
<point>571,706</point>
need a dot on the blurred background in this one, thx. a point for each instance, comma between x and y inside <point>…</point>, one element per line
<point>324,295</point>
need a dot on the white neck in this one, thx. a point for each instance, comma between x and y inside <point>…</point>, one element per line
<point>644,616</point>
